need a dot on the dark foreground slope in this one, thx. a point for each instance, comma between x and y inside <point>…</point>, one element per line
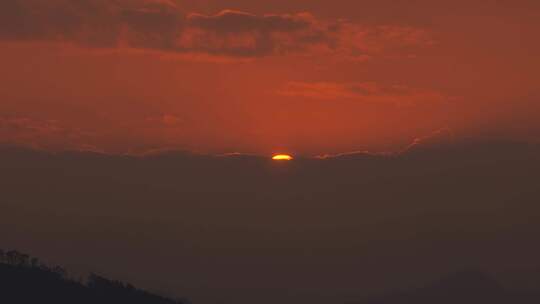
<point>24,280</point>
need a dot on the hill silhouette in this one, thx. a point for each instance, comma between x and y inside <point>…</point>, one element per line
<point>470,287</point>
<point>25,280</point>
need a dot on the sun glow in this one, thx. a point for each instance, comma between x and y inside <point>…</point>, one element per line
<point>282,157</point>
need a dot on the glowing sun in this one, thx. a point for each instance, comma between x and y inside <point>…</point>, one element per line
<point>282,157</point>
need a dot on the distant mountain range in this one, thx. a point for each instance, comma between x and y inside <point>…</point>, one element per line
<point>24,280</point>
<point>461,288</point>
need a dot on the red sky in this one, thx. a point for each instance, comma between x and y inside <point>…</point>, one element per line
<point>307,77</point>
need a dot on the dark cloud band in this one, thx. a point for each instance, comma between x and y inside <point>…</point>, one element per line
<point>159,25</point>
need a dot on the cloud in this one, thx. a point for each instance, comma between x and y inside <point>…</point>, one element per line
<point>368,155</point>
<point>354,40</point>
<point>242,34</point>
<point>166,120</point>
<point>28,126</point>
<point>436,140</point>
<point>41,133</point>
<point>236,21</point>
<point>95,23</point>
<point>363,92</point>
<point>161,26</point>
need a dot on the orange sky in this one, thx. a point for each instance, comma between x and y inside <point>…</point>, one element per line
<point>305,77</point>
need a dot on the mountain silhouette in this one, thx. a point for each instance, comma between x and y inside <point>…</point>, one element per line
<point>25,280</point>
<point>471,287</point>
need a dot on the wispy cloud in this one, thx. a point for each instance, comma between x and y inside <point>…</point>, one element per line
<point>43,133</point>
<point>363,92</point>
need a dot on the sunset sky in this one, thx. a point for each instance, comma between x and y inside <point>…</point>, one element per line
<point>243,148</point>
<point>306,77</point>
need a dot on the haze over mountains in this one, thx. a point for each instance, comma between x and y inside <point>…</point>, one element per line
<point>25,280</point>
<point>312,230</point>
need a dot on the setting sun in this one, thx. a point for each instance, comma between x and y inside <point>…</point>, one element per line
<point>282,157</point>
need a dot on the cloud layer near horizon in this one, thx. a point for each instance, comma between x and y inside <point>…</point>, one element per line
<point>398,95</point>
<point>161,26</point>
